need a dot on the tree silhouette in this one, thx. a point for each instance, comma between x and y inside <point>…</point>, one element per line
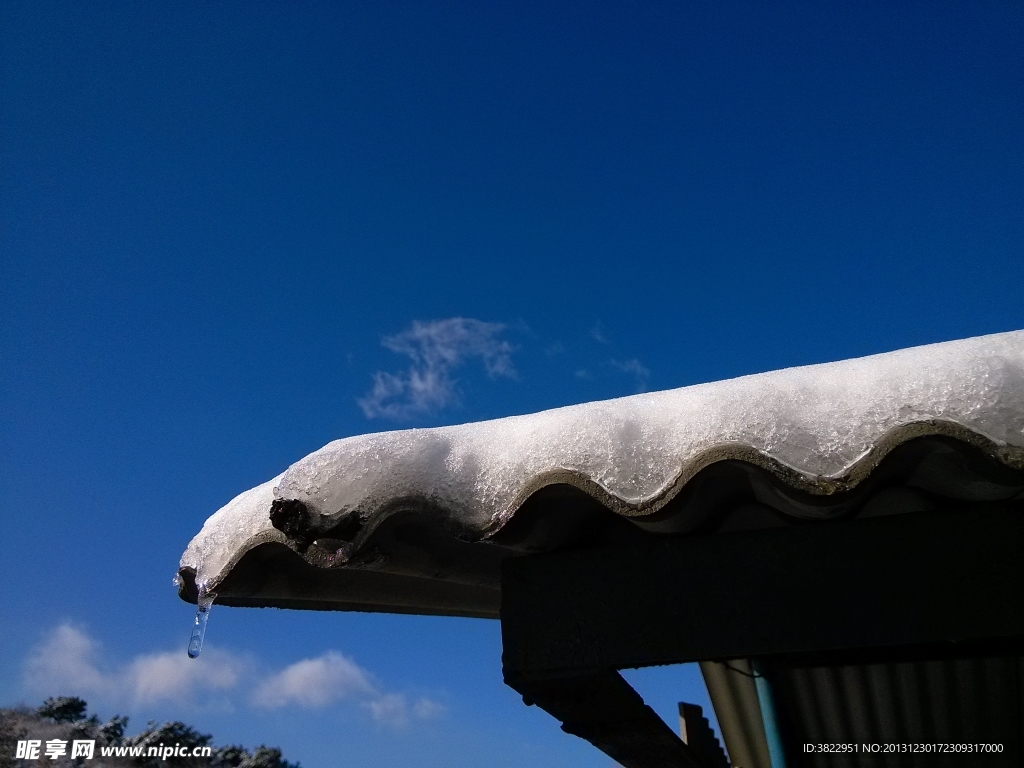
<point>63,709</point>
<point>66,718</point>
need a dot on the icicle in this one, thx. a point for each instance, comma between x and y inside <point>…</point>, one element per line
<point>205,602</point>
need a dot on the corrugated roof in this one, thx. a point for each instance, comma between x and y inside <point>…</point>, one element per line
<point>419,520</point>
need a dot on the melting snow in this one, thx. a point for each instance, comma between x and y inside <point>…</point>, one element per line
<point>818,420</point>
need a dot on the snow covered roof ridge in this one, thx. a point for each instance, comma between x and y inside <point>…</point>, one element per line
<point>820,429</point>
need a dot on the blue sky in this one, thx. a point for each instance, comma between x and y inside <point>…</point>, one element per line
<point>221,226</point>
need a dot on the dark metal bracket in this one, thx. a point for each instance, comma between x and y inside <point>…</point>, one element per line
<point>601,707</point>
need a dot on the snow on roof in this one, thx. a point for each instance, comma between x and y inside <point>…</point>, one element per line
<point>820,428</point>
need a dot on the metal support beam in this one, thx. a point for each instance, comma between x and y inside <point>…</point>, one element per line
<point>601,707</point>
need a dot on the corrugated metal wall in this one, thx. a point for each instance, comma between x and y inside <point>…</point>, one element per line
<point>960,701</point>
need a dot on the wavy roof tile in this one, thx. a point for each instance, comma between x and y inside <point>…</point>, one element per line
<point>419,520</point>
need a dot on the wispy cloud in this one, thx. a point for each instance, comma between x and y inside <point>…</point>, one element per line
<point>395,710</point>
<point>68,663</point>
<point>634,367</point>
<point>435,349</point>
<point>428,709</point>
<point>597,333</point>
<point>554,349</point>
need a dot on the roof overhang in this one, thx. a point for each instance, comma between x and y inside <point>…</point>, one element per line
<point>420,521</point>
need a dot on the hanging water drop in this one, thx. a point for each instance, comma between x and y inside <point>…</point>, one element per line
<point>205,602</point>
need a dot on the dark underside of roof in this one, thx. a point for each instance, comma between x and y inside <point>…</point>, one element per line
<point>412,561</point>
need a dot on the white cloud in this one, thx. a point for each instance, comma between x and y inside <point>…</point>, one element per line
<point>173,676</point>
<point>320,682</point>
<point>435,349</point>
<point>67,663</point>
<point>314,683</point>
